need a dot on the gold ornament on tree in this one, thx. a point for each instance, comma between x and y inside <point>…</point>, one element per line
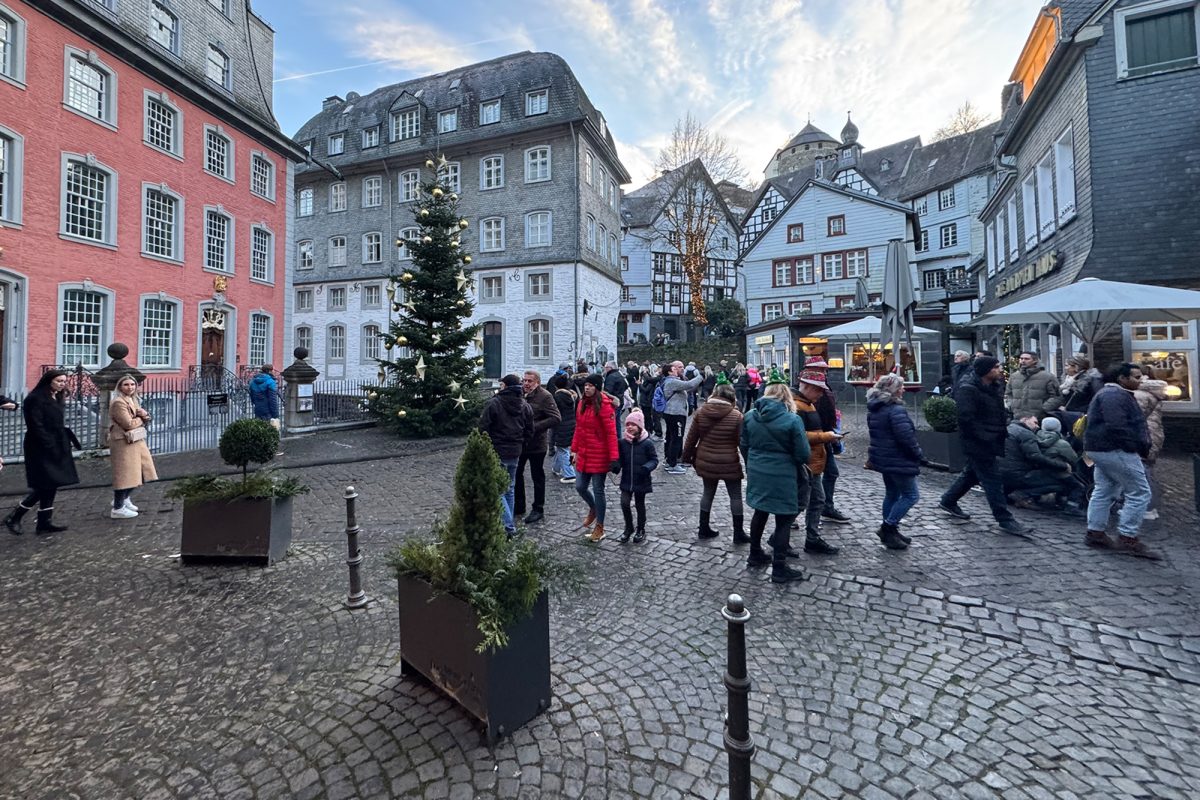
<point>461,303</point>
<point>462,223</point>
<point>429,163</point>
<point>402,413</point>
<point>437,192</point>
<point>424,212</point>
<point>466,259</point>
<point>406,277</point>
<point>402,340</point>
<point>427,239</point>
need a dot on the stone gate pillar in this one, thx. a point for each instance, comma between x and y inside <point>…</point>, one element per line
<point>106,383</point>
<point>298,400</point>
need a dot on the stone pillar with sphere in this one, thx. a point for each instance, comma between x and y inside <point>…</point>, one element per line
<point>299,399</point>
<point>106,379</point>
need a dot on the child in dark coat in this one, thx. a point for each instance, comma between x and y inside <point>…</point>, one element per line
<point>638,460</point>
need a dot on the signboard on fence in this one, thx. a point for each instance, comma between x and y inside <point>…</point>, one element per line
<point>304,397</point>
<point>218,403</point>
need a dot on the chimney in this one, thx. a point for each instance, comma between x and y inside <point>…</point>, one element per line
<point>1012,92</point>
<point>331,102</point>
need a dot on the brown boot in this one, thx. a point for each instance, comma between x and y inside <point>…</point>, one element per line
<point>598,532</point>
<point>1133,546</point>
<point>1099,539</point>
<point>590,518</point>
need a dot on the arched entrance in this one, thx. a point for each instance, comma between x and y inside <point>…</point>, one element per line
<point>213,324</point>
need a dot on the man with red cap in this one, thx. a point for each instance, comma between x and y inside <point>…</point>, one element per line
<point>827,410</point>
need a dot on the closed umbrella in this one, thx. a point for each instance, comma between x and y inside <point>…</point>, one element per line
<point>861,298</point>
<point>899,300</point>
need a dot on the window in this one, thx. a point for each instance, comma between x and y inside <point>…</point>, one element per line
<point>1064,175</point>
<point>783,273</point>
<point>1029,210</point>
<point>1166,351</point>
<point>372,192</point>
<point>304,254</point>
<point>591,232</point>
<point>164,27</point>
<point>304,300</point>
<point>1014,250</point>
<point>798,307</point>
<point>493,234</point>
<point>218,153</point>
<point>768,213</point>
<point>158,335</point>
<point>262,176</point>
<point>262,255</point>
<point>336,299</point>
<point>614,196</point>
<point>601,238</point>
<point>91,89</point>
<point>489,112</point>
<point>601,179</point>
<point>10,176</point>
<point>219,5</point>
<point>337,251</point>
<point>161,231</point>
<point>337,144</point>
<point>304,203</point>
<point>539,340</point>
<point>933,279</point>
<point>372,296</point>
<point>12,47</point>
<point>493,288</point>
<point>998,242</point>
<point>539,284</point>
<point>89,200</point>
<point>1045,195</point>
<point>795,233</point>
<point>406,124</point>
<point>83,321</point>
<point>537,229</point>
<point>656,293</point>
<point>372,248</point>
<point>946,199</point>
<point>537,164</point>
<point>260,339</point>
<point>772,311</point>
<point>448,120</point>
<point>337,197</point>
<point>626,295</point>
<point>406,235</point>
<point>837,225</point>
<point>624,263</point>
<point>614,248</point>
<point>304,337</point>
<point>1156,37</point>
<point>587,166</point>
<point>491,172</point>
<point>856,264</point>
<point>450,176</point>
<point>216,68</point>
<point>537,102</point>
<point>804,270</point>
<point>218,241</point>
<point>370,137</point>
<point>923,241</point>
<point>921,206</point>
<point>162,126</point>
<point>949,235</point>
<point>867,364</point>
<point>335,349</point>
<point>831,266</point>
<point>410,183</point>
<point>370,342</point>
<point>989,243</point>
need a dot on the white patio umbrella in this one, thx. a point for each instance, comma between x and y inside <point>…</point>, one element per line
<point>860,330</point>
<point>899,299</point>
<point>1092,308</point>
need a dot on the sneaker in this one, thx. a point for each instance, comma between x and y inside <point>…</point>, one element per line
<point>815,544</point>
<point>833,515</point>
<point>1014,527</point>
<point>566,480</point>
<point>129,504</point>
<point>953,509</point>
<point>122,513</point>
<point>1133,546</point>
<point>1152,514</point>
<point>676,470</point>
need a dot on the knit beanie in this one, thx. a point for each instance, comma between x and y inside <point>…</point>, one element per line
<point>510,380</point>
<point>984,364</point>
<point>595,380</point>
<point>637,418</point>
<point>1052,424</point>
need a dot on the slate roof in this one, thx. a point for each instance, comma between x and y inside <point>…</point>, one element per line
<point>507,78</point>
<point>944,162</point>
<point>809,134</point>
<point>641,207</point>
<point>898,155</point>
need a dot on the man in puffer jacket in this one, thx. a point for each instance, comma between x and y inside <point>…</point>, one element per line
<point>1032,390</point>
<point>508,421</point>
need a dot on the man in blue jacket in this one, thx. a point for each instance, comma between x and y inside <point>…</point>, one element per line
<point>1116,439</point>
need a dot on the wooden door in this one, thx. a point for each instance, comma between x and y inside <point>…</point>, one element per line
<point>212,351</point>
<point>493,349</point>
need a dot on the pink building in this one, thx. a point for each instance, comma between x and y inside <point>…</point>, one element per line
<point>145,187</point>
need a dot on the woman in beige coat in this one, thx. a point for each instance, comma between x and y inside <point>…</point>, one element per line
<point>131,461</point>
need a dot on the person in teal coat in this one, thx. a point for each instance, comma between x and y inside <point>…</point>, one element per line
<point>775,448</point>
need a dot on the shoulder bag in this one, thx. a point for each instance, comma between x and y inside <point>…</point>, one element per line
<point>134,435</point>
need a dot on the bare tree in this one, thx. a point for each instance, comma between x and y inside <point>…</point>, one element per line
<point>693,213</point>
<point>966,118</point>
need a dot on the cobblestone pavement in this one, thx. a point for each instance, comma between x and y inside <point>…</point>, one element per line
<point>973,665</point>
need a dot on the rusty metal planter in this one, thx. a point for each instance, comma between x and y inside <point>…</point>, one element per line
<point>504,689</point>
<point>257,530</point>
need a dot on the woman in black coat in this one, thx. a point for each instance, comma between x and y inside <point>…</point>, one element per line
<point>565,398</point>
<point>893,451</point>
<point>48,460</point>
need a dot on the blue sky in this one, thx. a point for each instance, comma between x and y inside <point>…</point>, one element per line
<point>754,70</point>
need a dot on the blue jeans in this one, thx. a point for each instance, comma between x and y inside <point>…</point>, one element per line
<point>590,486</point>
<point>506,499</point>
<point>899,495</point>
<point>562,462</point>
<point>1118,474</point>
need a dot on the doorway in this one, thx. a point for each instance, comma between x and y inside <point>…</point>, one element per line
<point>212,343</point>
<point>493,349</point>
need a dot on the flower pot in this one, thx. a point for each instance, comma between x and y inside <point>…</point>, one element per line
<point>944,450</point>
<point>257,530</point>
<point>439,639</point>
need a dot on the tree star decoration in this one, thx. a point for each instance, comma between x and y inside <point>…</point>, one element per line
<point>411,306</point>
<point>454,387</point>
<point>462,279</point>
<point>478,342</point>
<point>461,402</point>
<point>420,367</point>
<point>437,338</point>
<point>441,162</point>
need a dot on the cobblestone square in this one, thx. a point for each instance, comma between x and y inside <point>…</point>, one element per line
<point>973,665</point>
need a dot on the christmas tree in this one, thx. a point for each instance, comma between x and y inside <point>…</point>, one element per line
<point>430,388</point>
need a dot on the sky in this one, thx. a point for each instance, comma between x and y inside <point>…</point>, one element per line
<point>754,71</point>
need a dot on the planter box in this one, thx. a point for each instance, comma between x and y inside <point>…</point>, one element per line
<point>255,530</point>
<point>943,449</point>
<point>504,689</point>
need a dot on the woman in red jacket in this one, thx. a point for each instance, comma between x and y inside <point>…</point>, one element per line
<point>594,450</point>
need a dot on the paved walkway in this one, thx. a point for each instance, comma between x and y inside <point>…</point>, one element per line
<point>972,665</point>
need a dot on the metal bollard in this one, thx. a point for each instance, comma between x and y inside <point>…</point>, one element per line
<point>357,598</point>
<point>737,720</point>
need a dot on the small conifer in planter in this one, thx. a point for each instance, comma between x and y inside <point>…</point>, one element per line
<point>246,519</point>
<point>941,413</point>
<point>941,444</point>
<point>474,617</point>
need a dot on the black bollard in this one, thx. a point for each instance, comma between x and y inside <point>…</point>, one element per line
<point>357,598</point>
<point>737,720</point>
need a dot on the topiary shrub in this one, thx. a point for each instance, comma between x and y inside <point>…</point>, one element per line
<point>941,413</point>
<point>247,441</point>
<point>244,442</point>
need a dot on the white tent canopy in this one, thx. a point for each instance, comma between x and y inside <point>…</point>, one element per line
<point>1091,308</point>
<point>866,329</point>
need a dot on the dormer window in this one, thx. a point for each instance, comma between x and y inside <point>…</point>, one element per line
<point>489,112</point>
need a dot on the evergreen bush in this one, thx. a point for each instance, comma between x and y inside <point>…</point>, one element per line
<point>248,440</point>
<point>245,441</point>
<point>941,413</point>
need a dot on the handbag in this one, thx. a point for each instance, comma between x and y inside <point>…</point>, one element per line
<point>134,435</point>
